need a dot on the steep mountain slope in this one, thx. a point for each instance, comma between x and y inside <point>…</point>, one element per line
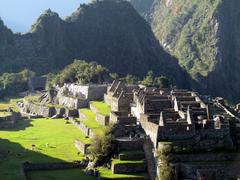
<point>204,36</point>
<point>111,33</point>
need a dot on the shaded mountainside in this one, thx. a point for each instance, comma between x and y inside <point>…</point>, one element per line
<point>111,33</point>
<point>204,36</point>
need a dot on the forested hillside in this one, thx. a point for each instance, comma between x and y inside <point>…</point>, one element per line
<point>204,36</point>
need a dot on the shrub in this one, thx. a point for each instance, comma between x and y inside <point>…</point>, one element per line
<point>102,148</point>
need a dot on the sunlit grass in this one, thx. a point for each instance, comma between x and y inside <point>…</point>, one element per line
<point>54,141</point>
<point>102,107</point>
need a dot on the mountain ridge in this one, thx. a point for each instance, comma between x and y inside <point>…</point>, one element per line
<point>109,32</point>
<point>204,36</point>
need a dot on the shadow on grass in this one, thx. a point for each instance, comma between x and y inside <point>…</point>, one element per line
<point>12,155</point>
<point>21,124</point>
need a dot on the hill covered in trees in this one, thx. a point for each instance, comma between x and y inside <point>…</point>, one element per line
<point>203,35</point>
<point>111,33</point>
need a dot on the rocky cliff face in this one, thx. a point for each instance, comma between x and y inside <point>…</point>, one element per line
<point>111,33</point>
<point>204,36</point>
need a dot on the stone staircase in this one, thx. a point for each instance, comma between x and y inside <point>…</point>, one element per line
<point>128,165</point>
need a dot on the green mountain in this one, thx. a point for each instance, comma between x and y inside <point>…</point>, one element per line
<point>112,33</point>
<point>203,35</point>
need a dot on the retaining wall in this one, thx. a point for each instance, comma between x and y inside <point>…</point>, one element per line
<point>104,120</point>
<point>128,168</point>
<point>82,147</point>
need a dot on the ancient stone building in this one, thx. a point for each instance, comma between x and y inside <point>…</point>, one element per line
<point>176,115</point>
<point>119,96</point>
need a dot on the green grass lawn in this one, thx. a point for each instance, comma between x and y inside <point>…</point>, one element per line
<point>102,107</point>
<point>91,122</point>
<point>71,174</point>
<point>107,173</point>
<point>18,141</point>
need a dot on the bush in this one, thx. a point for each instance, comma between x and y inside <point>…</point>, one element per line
<point>102,148</point>
<point>80,72</point>
<point>166,171</point>
<point>13,83</point>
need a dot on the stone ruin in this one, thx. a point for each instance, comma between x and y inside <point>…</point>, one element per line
<point>75,96</point>
<point>63,101</point>
<point>173,115</point>
<point>10,119</point>
<point>178,115</point>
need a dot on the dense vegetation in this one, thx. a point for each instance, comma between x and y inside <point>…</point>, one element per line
<point>103,147</point>
<point>151,81</point>
<point>13,83</point>
<point>204,36</point>
<point>80,72</point>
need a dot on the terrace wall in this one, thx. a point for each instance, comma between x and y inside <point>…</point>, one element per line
<point>82,147</point>
<point>103,120</point>
<point>128,168</point>
<point>82,127</point>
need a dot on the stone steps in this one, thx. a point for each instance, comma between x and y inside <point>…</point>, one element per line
<point>106,174</point>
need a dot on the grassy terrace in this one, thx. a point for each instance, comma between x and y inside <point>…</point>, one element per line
<point>91,122</point>
<point>117,161</point>
<point>107,173</point>
<point>15,145</point>
<point>102,107</point>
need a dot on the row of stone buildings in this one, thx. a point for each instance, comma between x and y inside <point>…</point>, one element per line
<point>175,115</point>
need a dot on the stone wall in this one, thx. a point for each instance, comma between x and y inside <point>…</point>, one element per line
<point>128,168</point>
<point>151,129</point>
<point>81,115</point>
<point>82,127</point>
<point>82,147</point>
<point>208,157</point>
<point>96,92</point>
<point>176,131</point>
<point>76,96</point>
<point>9,121</point>
<point>129,145</point>
<point>71,112</point>
<point>107,99</point>
<point>222,171</point>
<point>71,102</point>
<point>47,111</point>
<point>150,159</point>
<point>104,120</point>
<point>122,118</point>
<point>39,109</point>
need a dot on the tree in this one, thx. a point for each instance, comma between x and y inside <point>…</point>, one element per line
<point>102,148</point>
<point>14,83</point>
<point>131,79</point>
<point>161,82</point>
<point>80,72</point>
<point>148,80</point>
